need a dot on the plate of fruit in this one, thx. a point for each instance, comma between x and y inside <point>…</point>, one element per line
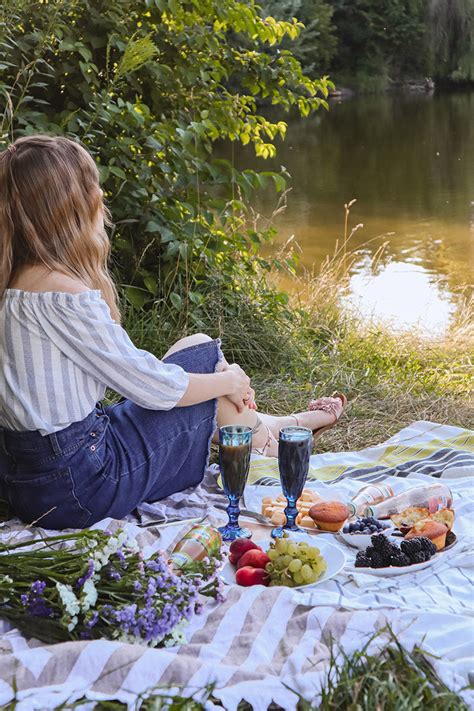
<point>290,562</point>
<point>386,557</point>
<point>358,532</point>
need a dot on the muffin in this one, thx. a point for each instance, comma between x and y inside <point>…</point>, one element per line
<point>329,515</point>
<point>428,528</point>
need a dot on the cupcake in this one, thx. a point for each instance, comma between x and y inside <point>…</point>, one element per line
<point>329,515</point>
<point>428,528</point>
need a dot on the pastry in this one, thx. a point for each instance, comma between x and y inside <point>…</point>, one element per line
<point>329,515</point>
<point>406,519</point>
<point>273,508</point>
<point>444,516</point>
<point>428,528</point>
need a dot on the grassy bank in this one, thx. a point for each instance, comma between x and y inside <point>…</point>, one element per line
<point>308,343</point>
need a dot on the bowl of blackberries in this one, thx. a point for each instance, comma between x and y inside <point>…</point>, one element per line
<point>384,556</point>
<point>357,532</point>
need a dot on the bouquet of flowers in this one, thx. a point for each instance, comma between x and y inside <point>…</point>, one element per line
<point>94,584</point>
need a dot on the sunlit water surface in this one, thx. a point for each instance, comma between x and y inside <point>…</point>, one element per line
<point>409,162</point>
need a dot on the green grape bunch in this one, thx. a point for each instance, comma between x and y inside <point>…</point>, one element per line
<point>294,563</point>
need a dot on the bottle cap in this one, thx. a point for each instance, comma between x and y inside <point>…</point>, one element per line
<point>369,511</point>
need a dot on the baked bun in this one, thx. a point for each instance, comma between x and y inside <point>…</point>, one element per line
<point>329,515</point>
<point>428,528</point>
<point>406,519</point>
<point>445,516</point>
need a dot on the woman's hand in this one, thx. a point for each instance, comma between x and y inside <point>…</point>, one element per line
<point>242,394</point>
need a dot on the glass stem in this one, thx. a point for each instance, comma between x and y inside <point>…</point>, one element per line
<point>291,512</point>
<point>233,511</point>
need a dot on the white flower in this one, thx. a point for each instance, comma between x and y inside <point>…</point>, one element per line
<point>68,599</point>
<point>72,623</point>
<point>89,595</point>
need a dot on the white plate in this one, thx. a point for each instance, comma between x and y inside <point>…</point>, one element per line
<point>253,495</point>
<point>334,557</point>
<point>395,570</point>
<point>362,540</point>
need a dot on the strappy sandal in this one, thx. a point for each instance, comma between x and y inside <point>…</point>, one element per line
<point>330,407</point>
<point>270,438</point>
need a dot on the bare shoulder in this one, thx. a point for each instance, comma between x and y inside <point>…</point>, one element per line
<point>39,279</point>
<point>61,282</point>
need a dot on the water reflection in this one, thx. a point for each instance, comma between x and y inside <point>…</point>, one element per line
<point>409,161</point>
<point>401,294</point>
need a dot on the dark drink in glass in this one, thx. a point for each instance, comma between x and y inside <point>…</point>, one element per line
<point>235,444</point>
<point>294,451</point>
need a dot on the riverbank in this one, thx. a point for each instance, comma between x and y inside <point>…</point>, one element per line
<point>307,344</point>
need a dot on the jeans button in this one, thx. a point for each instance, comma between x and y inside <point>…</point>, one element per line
<point>93,448</point>
<point>92,434</point>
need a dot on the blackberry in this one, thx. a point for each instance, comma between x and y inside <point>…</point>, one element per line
<point>420,557</point>
<point>369,551</point>
<point>383,546</point>
<point>400,560</point>
<point>428,546</point>
<point>418,545</point>
<point>378,561</point>
<point>362,561</point>
<point>411,546</point>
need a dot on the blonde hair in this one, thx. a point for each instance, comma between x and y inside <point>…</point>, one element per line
<point>50,202</point>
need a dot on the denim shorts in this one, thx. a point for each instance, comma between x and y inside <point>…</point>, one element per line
<point>114,459</point>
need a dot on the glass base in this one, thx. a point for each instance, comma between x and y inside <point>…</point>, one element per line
<point>231,533</point>
<point>279,531</point>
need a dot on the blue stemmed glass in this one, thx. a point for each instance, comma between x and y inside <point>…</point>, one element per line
<point>294,450</point>
<point>235,443</point>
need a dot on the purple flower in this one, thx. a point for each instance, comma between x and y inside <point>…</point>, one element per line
<point>93,620</point>
<point>34,602</point>
<point>88,574</point>
<point>121,556</point>
<point>137,586</point>
<point>114,575</point>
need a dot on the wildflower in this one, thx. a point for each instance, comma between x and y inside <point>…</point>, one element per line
<point>88,574</point>
<point>89,595</point>
<point>68,599</point>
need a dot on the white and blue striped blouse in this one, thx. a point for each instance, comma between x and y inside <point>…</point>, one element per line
<point>58,353</point>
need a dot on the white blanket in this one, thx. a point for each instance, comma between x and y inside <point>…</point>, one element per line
<point>262,643</point>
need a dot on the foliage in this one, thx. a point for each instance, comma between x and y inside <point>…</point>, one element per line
<point>452,38</point>
<point>315,46</point>
<point>150,87</point>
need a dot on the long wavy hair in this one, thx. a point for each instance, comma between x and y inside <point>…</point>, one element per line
<point>52,213</point>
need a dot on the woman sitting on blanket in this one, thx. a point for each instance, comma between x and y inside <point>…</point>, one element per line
<point>64,457</point>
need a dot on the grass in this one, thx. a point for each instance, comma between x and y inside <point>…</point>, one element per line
<point>390,680</point>
<point>308,343</point>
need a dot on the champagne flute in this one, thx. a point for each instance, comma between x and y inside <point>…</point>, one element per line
<point>294,451</point>
<point>235,443</point>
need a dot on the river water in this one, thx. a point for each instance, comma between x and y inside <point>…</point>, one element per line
<point>408,160</point>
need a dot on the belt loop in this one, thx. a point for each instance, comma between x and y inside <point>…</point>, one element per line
<point>54,443</point>
<point>2,441</point>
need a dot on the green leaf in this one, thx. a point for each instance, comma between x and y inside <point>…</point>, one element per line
<point>176,300</point>
<point>136,296</point>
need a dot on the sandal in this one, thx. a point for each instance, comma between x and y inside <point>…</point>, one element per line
<point>325,404</point>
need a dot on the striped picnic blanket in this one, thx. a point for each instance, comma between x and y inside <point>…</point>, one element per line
<point>270,644</point>
<point>421,448</point>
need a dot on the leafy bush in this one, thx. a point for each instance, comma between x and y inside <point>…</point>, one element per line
<point>150,87</point>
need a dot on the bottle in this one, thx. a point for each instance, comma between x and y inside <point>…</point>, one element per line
<point>367,496</point>
<point>430,496</point>
<point>200,542</point>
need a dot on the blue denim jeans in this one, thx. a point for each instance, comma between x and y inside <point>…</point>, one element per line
<point>111,461</point>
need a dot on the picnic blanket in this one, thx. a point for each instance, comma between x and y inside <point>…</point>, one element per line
<point>265,644</point>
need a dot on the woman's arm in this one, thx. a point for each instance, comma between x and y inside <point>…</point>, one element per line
<point>233,383</point>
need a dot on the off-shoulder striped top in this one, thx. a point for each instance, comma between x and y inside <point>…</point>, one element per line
<point>59,352</point>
